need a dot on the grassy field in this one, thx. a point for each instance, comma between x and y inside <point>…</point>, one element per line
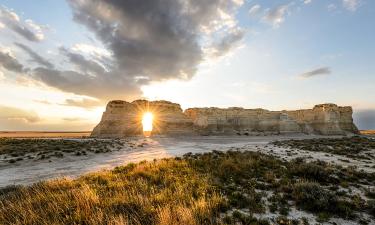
<point>14,149</point>
<point>211,188</point>
<point>355,147</point>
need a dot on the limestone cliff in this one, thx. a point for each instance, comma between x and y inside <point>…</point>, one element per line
<point>325,119</point>
<point>122,119</point>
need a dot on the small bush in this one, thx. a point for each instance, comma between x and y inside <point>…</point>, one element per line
<point>311,196</point>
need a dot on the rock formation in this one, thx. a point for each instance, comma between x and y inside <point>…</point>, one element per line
<point>123,119</point>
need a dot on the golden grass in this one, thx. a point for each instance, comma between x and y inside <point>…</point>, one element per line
<point>208,188</point>
<point>161,192</point>
<point>367,132</point>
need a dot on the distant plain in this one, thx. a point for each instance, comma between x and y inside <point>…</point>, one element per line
<point>42,134</point>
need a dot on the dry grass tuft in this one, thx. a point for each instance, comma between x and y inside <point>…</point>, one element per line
<point>367,132</point>
<point>163,192</point>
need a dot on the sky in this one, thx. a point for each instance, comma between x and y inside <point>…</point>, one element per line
<point>61,61</point>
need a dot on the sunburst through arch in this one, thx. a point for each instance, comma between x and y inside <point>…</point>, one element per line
<point>147,123</point>
<point>149,117</point>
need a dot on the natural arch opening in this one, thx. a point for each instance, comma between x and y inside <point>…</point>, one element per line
<point>147,121</point>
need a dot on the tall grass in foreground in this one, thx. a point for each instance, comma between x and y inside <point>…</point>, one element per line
<point>160,192</point>
<point>230,187</point>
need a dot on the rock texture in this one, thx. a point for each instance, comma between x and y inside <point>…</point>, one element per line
<point>123,119</point>
<point>325,119</point>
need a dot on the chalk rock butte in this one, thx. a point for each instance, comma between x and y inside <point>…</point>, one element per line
<point>122,119</point>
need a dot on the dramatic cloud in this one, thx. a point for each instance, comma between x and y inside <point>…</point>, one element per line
<point>276,16</point>
<point>84,65</point>
<point>157,39</point>
<point>226,44</point>
<point>27,29</point>
<point>316,72</point>
<point>9,62</point>
<point>152,41</point>
<point>365,119</point>
<point>35,57</point>
<point>351,5</point>
<point>107,86</point>
<point>90,79</point>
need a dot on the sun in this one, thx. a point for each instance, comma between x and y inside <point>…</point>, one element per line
<point>147,123</point>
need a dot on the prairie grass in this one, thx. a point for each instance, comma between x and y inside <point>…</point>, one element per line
<point>162,192</point>
<point>209,188</point>
<point>13,149</point>
<point>356,147</point>
<point>367,132</point>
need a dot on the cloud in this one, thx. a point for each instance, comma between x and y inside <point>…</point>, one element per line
<point>43,102</point>
<point>226,44</point>
<point>89,79</point>
<point>152,41</point>
<point>83,103</point>
<point>316,72</point>
<point>35,56</point>
<point>27,29</point>
<point>276,16</point>
<point>255,10</point>
<point>351,5</point>
<point>16,119</point>
<point>9,62</point>
<point>365,119</point>
<point>11,113</point>
<point>91,50</point>
<point>307,1</point>
<point>73,119</point>
<point>110,85</point>
<point>331,7</point>
<point>86,103</point>
<point>83,64</point>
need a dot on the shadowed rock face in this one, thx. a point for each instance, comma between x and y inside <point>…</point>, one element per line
<point>123,119</point>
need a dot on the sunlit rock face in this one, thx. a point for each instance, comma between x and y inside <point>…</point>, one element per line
<point>123,119</point>
<point>325,119</point>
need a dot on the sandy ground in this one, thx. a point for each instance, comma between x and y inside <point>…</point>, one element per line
<point>29,171</point>
<point>39,134</point>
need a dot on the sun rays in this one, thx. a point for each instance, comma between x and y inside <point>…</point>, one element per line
<point>147,121</point>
